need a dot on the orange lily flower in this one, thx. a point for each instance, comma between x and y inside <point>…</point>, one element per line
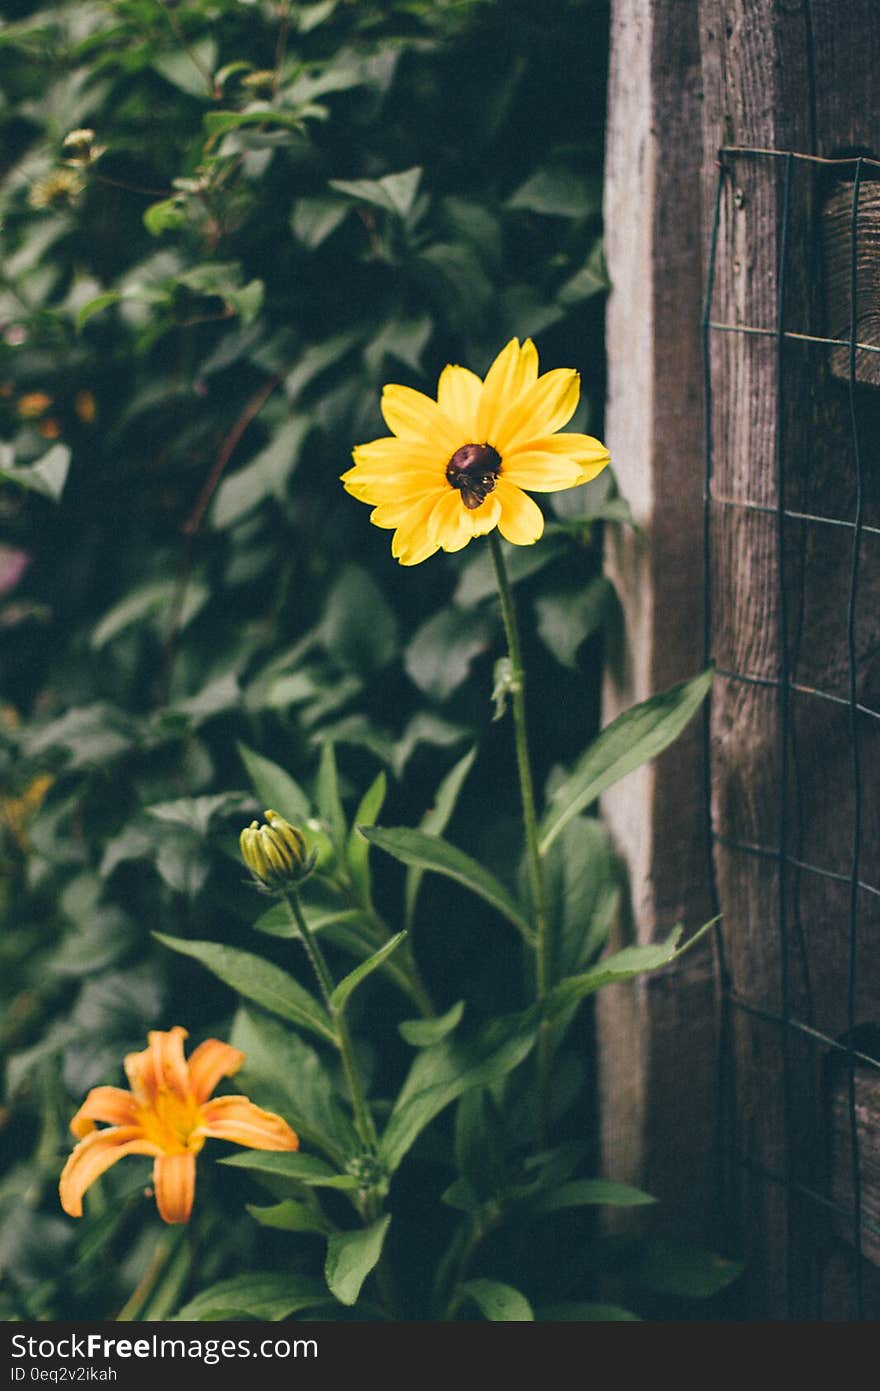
<point>167,1114</point>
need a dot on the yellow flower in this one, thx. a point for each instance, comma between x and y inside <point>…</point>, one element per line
<point>456,467</point>
<point>168,1115</point>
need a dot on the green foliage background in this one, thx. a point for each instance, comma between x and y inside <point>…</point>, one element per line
<point>286,206</point>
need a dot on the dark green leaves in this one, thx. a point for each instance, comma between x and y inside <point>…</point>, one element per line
<point>432,852</point>
<point>635,737</point>
<point>350,1258</point>
<point>498,1301</point>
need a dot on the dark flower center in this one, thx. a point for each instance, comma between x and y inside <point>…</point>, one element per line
<point>474,470</point>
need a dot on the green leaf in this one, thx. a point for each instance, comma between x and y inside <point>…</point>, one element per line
<point>314,219</point>
<point>684,1271</point>
<point>153,601</point>
<point>566,620</point>
<point>303,1168</point>
<point>190,74</point>
<point>366,968</point>
<point>441,1073</point>
<point>358,851</point>
<point>477,580</point>
<point>168,214</point>
<point>290,1216</point>
<point>622,965</point>
<point>265,476</point>
<point>329,800</point>
<point>559,193</point>
<point>269,1295</point>
<point>217,123</point>
<point>351,1256</point>
<point>275,788</point>
<point>422,1033</point>
<point>440,654</point>
<point>592,1192</point>
<point>414,847</point>
<point>395,193</point>
<point>582,883</point>
<point>94,306</point>
<point>585,1313</point>
<point>257,980</point>
<point>359,628</point>
<point>284,1073</point>
<point>498,1301</point>
<point>434,823</point>
<point>46,477</point>
<point>634,738</point>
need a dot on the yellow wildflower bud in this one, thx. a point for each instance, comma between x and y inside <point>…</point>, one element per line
<point>275,852</point>
<point>80,148</point>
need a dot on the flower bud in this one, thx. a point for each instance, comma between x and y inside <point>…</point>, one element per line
<point>275,852</point>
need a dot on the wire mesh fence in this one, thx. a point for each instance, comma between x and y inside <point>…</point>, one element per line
<point>791,334</point>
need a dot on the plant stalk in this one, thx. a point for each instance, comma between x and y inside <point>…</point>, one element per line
<point>544,944</point>
<point>363,1118</point>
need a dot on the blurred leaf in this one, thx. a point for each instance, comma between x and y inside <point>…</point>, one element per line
<point>275,788</point>
<point>266,476</point>
<point>591,279</point>
<point>395,193</point>
<point>586,1313</point>
<point>634,738</point>
<point>359,628</point>
<point>477,578</point>
<point>498,1301</point>
<point>329,801</point>
<point>314,219</point>
<point>189,70</point>
<point>46,477</point>
<point>620,966</point>
<point>156,600</point>
<point>592,1192</point>
<point>439,657</point>
<point>674,1268</point>
<point>559,193</point>
<point>257,980</point>
<point>350,1258</point>
<point>566,620</point>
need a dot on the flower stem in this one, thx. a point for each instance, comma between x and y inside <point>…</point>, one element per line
<point>544,945</point>
<point>363,1118</point>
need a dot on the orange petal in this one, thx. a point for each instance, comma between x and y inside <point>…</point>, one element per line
<point>522,520</point>
<point>174,1179</point>
<point>208,1063</point>
<point>89,1159</point>
<point>237,1119</point>
<point>160,1067</point>
<point>109,1104</point>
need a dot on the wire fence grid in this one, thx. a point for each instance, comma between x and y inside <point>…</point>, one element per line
<point>826,1191</point>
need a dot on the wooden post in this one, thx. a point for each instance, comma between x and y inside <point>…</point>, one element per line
<point>686,80</point>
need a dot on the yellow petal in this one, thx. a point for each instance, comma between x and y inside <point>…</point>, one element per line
<point>160,1067</point>
<point>395,514</point>
<point>414,416</point>
<point>411,542</point>
<point>522,520</point>
<point>237,1119</point>
<point>174,1181</point>
<point>111,1105</point>
<point>483,518</point>
<point>399,454</point>
<point>542,473</point>
<point>92,1156</point>
<point>448,524</point>
<point>584,449</point>
<point>458,396</point>
<point>375,488</point>
<point>208,1063</point>
<point>542,410</point>
<point>513,372</point>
